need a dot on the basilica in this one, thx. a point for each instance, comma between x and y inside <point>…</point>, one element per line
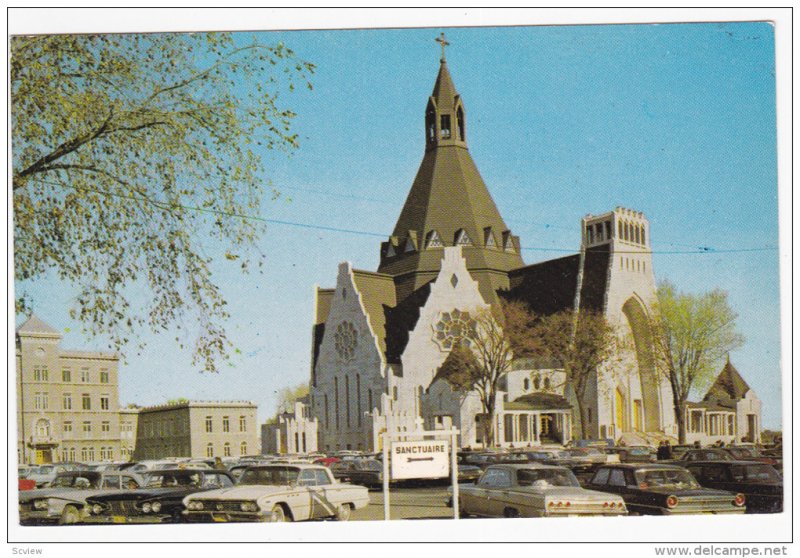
<point>379,337</point>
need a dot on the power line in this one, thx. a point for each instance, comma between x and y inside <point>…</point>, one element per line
<point>167,206</point>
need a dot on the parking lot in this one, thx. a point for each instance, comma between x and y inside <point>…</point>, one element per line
<point>407,503</point>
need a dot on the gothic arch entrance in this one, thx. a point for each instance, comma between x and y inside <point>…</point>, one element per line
<point>648,410</point>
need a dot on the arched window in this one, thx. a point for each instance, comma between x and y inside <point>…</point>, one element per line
<point>210,450</point>
<point>462,132</point>
<point>243,448</point>
<point>537,382</point>
<point>642,235</point>
<point>619,229</point>
<point>546,382</point>
<point>636,234</point>
<point>43,428</point>
<point>226,449</point>
<point>526,384</point>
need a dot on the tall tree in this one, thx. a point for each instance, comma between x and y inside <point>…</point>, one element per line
<point>484,354</point>
<point>582,342</point>
<point>288,396</point>
<point>132,154</point>
<point>692,334</point>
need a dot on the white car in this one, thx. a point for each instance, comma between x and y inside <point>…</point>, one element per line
<point>291,492</point>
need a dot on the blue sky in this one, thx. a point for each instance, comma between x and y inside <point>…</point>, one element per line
<point>677,121</point>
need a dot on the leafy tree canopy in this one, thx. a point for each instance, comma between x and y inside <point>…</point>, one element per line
<point>131,155</point>
<point>288,396</point>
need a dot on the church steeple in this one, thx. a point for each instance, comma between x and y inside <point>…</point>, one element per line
<point>449,205</point>
<point>445,122</point>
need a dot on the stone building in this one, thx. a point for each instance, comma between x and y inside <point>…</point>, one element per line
<point>379,337</point>
<point>291,432</point>
<point>729,412</point>
<point>197,429</point>
<point>67,401</point>
<point>128,421</point>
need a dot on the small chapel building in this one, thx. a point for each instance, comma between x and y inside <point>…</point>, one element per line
<point>379,337</point>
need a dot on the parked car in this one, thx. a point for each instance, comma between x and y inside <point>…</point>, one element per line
<point>161,498</point>
<point>279,493</point>
<point>468,473</point>
<point>533,490</point>
<point>635,454</point>
<point>663,489</point>
<point>759,482</point>
<point>750,453</point>
<point>64,500</point>
<point>548,456</point>
<point>43,475</point>
<point>705,454</point>
<point>365,472</point>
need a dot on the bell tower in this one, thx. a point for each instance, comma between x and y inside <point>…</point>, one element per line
<point>448,205</point>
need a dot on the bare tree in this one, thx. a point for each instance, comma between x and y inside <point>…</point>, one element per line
<point>691,335</point>
<point>484,353</point>
<point>581,342</point>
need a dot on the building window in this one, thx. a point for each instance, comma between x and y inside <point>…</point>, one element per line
<point>84,454</point>
<point>66,375</point>
<point>589,234</point>
<point>526,384</point>
<point>209,425</point>
<point>445,121</point>
<point>40,373</point>
<point>103,376</point>
<point>242,423</point>
<point>226,449</point>
<point>336,400</point>
<point>67,401</point>
<point>642,235</point>
<point>347,399</point>
<point>104,402</point>
<point>91,454</point>
<point>86,402</point>
<point>462,133</point>
<point>358,399</point>
<point>87,429</point>
<point>226,424</point>
<point>105,426</point>
<point>608,230</point>
<point>243,448</point>
<point>210,450</point>
<point>71,454</point>
<point>43,428</point>
<point>394,393</point>
<point>67,427</point>
<point>537,382</point>
<point>40,401</point>
<point>85,375</point>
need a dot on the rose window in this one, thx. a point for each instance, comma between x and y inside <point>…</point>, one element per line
<point>452,328</point>
<point>345,340</point>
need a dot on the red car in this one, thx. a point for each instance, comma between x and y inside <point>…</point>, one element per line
<point>327,461</point>
<point>27,484</point>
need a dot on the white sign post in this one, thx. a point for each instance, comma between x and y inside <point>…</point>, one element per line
<point>422,459</point>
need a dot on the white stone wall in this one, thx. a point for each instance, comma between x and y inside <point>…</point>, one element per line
<point>422,355</point>
<point>751,404</point>
<point>366,362</point>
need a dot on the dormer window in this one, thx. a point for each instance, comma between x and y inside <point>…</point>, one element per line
<point>410,247</point>
<point>445,126</point>
<point>434,240</point>
<point>488,238</point>
<point>462,238</point>
<point>390,251</point>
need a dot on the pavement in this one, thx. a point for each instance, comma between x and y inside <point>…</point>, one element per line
<point>407,503</point>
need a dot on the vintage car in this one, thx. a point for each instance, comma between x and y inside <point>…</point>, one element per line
<point>364,472</point>
<point>278,493</point>
<point>634,454</point>
<point>663,489</point>
<point>549,456</point>
<point>705,454</point>
<point>64,501</point>
<point>533,490</point>
<point>43,475</point>
<point>160,500</point>
<point>759,482</point>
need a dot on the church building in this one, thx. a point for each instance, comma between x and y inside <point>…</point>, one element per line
<point>379,337</point>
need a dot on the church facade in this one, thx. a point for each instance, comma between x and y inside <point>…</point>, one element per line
<point>380,336</point>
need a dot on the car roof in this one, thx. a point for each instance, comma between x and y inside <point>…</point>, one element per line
<point>737,462</point>
<point>518,466</point>
<point>183,470</point>
<point>646,465</point>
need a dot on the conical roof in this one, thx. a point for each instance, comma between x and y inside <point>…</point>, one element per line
<point>35,326</point>
<point>729,384</point>
<point>443,89</point>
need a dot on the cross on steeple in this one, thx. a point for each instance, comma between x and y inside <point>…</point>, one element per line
<point>442,41</point>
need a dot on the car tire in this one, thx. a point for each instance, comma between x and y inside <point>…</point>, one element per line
<point>510,513</point>
<point>278,514</point>
<point>343,512</point>
<point>70,516</point>
<point>462,513</point>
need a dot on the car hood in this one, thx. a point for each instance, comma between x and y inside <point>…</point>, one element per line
<point>146,494</point>
<point>244,492</point>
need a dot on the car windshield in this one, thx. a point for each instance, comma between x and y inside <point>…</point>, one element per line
<point>43,469</point>
<point>639,451</point>
<point>174,479</point>
<point>755,473</point>
<point>546,477</point>
<point>742,453</point>
<point>278,476</point>
<point>76,481</point>
<point>665,478</point>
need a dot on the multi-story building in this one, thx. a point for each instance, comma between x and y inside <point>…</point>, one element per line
<point>290,432</point>
<point>197,429</point>
<point>67,401</point>
<point>128,421</point>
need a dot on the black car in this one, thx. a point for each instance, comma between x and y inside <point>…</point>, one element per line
<point>159,501</point>
<point>759,482</point>
<point>663,489</point>
<point>366,472</point>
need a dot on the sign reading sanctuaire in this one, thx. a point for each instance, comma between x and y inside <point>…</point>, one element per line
<point>420,460</point>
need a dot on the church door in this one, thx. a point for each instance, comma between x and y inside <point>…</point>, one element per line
<point>619,401</point>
